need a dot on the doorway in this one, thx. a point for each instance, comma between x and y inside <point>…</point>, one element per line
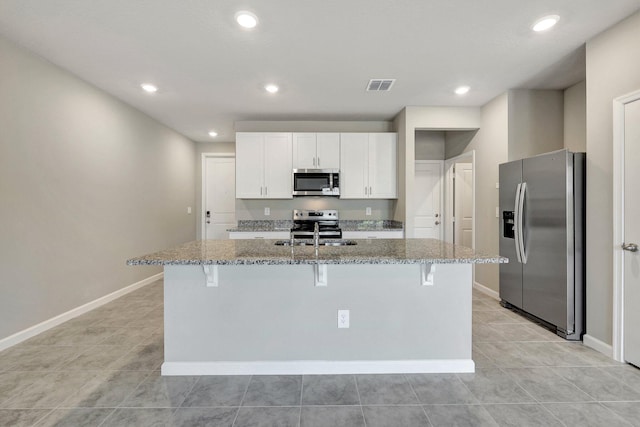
<point>218,195</point>
<point>626,229</point>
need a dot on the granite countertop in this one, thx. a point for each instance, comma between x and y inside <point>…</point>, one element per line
<point>345,225</point>
<point>265,252</point>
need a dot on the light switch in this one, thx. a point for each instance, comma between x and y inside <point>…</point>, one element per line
<point>189,209</point>
<point>497,212</point>
<point>267,211</point>
<point>367,211</point>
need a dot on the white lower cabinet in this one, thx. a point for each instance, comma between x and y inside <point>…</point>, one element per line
<point>263,165</point>
<point>368,166</point>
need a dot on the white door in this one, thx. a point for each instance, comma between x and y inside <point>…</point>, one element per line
<point>427,196</point>
<point>463,204</point>
<point>632,233</point>
<point>219,204</point>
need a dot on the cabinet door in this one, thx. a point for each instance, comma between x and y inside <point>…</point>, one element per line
<point>249,165</point>
<point>304,151</point>
<point>328,151</point>
<point>354,165</point>
<point>278,166</point>
<point>382,166</point>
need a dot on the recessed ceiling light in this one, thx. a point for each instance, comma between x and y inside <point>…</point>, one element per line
<point>462,90</point>
<point>271,88</point>
<point>148,87</point>
<point>246,19</point>
<point>213,134</point>
<point>545,23</point>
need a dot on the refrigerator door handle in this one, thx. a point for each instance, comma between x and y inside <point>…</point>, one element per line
<point>516,223</point>
<point>523,249</point>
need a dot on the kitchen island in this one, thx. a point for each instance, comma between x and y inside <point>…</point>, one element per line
<point>253,307</point>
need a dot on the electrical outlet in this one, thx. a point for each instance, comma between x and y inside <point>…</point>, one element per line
<point>267,211</point>
<point>343,319</point>
<point>367,211</point>
<point>188,209</point>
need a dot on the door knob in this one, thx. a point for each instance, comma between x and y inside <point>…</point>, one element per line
<point>437,222</point>
<point>631,247</point>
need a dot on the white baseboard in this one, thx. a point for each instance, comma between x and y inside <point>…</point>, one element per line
<point>598,345</point>
<point>319,367</point>
<point>25,334</point>
<point>487,291</point>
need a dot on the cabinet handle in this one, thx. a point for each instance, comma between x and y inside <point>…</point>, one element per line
<point>318,161</point>
<point>265,190</point>
<point>314,161</point>
<point>370,192</point>
<point>365,190</point>
<point>261,191</point>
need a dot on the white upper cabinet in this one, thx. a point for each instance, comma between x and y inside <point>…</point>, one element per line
<point>316,150</point>
<point>368,166</point>
<point>382,166</point>
<point>328,150</point>
<point>263,165</point>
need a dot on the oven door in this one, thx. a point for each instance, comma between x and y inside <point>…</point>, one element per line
<point>313,182</point>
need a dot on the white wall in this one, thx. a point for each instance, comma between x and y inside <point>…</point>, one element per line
<point>86,182</point>
<point>575,117</point>
<point>536,122</point>
<point>613,61</point>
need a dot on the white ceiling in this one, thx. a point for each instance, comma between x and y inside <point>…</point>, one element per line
<point>211,73</point>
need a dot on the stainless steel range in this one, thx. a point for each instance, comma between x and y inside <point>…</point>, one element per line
<point>304,223</point>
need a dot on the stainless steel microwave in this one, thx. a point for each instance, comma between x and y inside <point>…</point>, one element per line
<point>316,182</point>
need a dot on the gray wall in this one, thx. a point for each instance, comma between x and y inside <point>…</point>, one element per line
<point>536,122</point>
<point>430,145</point>
<point>490,143</point>
<point>314,126</point>
<point>613,61</point>
<point>86,182</point>
<point>575,117</point>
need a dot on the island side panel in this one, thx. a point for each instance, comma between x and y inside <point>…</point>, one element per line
<point>274,313</point>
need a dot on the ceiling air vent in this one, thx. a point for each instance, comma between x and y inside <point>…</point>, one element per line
<point>380,85</point>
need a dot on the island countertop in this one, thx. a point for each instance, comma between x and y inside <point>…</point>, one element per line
<point>265,252</point>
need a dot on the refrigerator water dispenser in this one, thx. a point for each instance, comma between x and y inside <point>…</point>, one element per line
<point>507,224</point>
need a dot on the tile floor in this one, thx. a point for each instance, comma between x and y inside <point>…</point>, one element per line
<point>102,369</point>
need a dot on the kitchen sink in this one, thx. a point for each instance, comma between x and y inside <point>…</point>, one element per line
<point>328,242</point>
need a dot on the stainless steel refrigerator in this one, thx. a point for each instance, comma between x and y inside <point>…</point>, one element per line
<point>542,233</point>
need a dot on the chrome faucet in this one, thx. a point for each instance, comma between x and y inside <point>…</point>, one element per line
<point>316,235</point>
